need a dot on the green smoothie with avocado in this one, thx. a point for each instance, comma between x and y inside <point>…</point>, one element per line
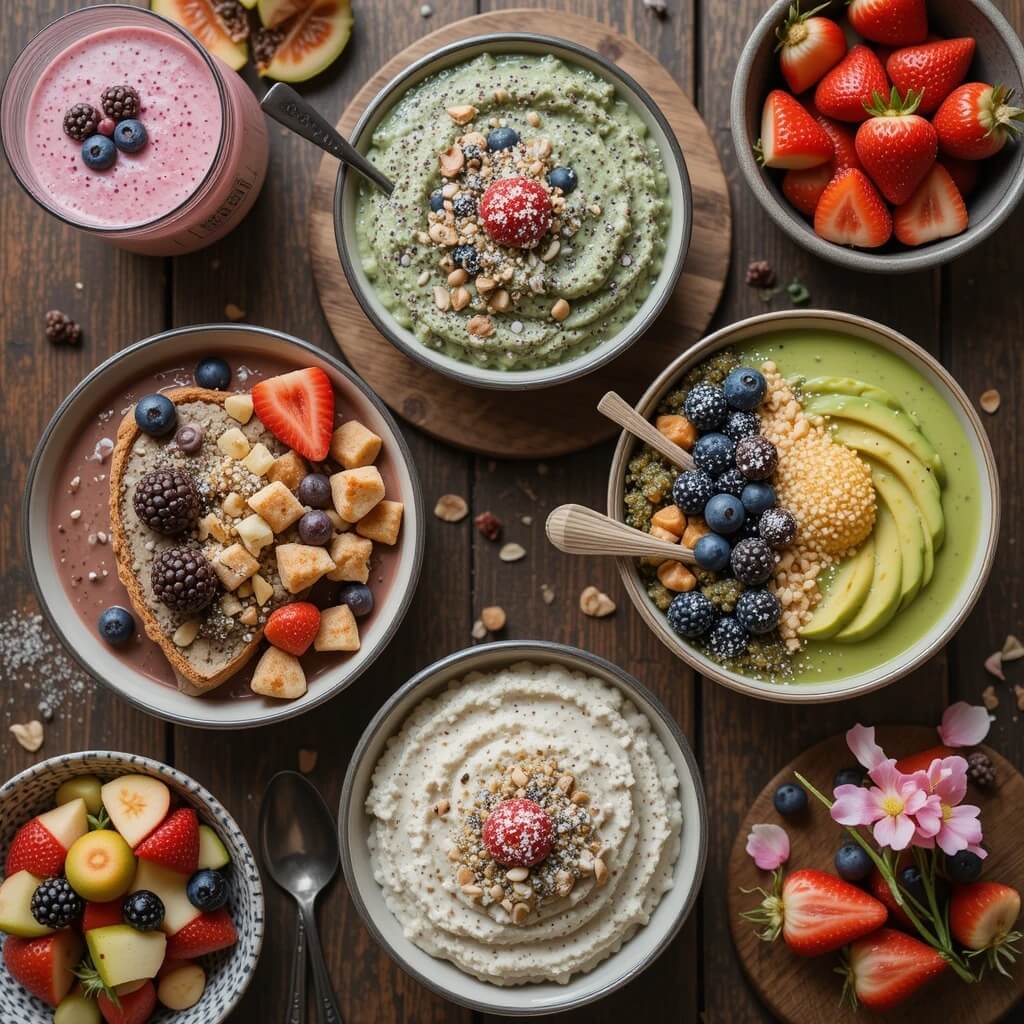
<point>528,219</point>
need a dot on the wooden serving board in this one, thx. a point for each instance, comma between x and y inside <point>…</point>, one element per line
<point>799,990</point>
<point>563,419</point>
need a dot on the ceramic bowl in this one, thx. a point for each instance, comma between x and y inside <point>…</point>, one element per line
<point>677,235</point>
<point>228,972</point>
<point>48,472</point>
<point>980,451</point>
<point>440,975</point>
<point>999,60</point>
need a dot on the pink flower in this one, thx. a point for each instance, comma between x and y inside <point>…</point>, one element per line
<point>861,741</point>
<point>944,820</point>
<point>964,725</point>
<point>890,805</point>
<point>769,846</point>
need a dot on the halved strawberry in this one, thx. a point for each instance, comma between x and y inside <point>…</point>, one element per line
<point>975,120</point>
<point>933,69</point>
<point>173,844</point>
<point>843,92</point>
<point>888,967</point>
<point>804,188</point>
<point>44,966</point>
<point>963,172</point>
<point>843,142</point>
<point>879,888</point>
<point>851,212</point>
<point>790,137</point>
<point>102,915</point>
<point>41,845</point>
<point>206,934</point>
<point>135,1007</point>
<point>298,409</point>
<point>808,47</point>
<point>893,22</point>
<point>981,918</point>
<point>293,627</point>
<point>921,761</point>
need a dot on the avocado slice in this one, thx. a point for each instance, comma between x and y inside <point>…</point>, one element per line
<point>844,595</point>
<point>908,524</point>
<point>883,419</point>
<point>853,387</point>
<point>911,471</point>
<point>883,600</point>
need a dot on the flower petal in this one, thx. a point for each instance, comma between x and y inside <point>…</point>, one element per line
<point>854,805</point>
<point>861,741</point>
<point>768,845</point>
<point>964,725</point>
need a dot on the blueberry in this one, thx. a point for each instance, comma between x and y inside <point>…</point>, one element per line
<point>692,490</point>
<point>315,528</point>
<point>712,552</point>
<point>467,257</point>
<point>852,862</point>
<point>963,867</point>
<point>790,799</point>
<point>464,206</point>
<point>912,883</point>
<point>741,424</point>
<point>213,373</point>
<point>758,611</point>
<point>714,454</point>
<point>436,201</point>
<point>155,415</point>
<point>732,481</point>
<point>724,513</point>
<point>691,615</point>
<point>207,890</point>
<point>705,407</point>
<point>757,497</point>
<point>359,597</point>
<point>502,138</point>
<point>98,152</point>
<point>315,491</point>
<point>848,777</point>
<point>563,178</point>
<point>116,625</point>
<point>744,388</point>
<point>130,135</point>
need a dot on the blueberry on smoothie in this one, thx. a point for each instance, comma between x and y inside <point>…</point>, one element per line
<point>99,153</point>
<point>712,552</point>
<point>502,138</point>
<point>757,497</point>
<point>436,201</point>
<point>563,178</point>
<point>724,513</point>
<point>116,625</point>
<point>744,388</point>
<point>213,373</point>
<point>315,490</point>
<point>155,415</point>
<point>130,135</point>
<point>358,597</point>
<point>714,454</point>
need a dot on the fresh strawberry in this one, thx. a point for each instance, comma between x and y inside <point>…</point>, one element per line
<point>888,967</point>
<point>808,46</point>
<point>822,913</point>
<point>963,172</point>
<point>516,211</point>
<point>879,888</point>
<point>173,844</point>
<point>851,212</point>
<point>135,1007</point>
<point>933,69</point>
<point>298,409</point>
<point>896,146</point>
<point>41,845</point>
<point>206,934</point>
<point>981,918</point>
<point>842,142</point>
<point>293,627</point>
<point>845,90</point>
<point>921,761</point>
<point>790,137</point>
<point>975,120</point>
<point>44,966</point>
<point>102,915</point>
<point>804,188</point>
<point>892,22</point>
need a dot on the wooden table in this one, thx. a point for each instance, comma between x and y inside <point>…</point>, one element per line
<point>969,313</point>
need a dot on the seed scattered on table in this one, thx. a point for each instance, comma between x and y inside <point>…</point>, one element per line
<point>547,593</point>
<point>28,734</point>
<point>233,312</point>
<point>596,603</point>
<point>990,401</point>
<point>494,618</point>
<point>512,552</point>
<point>451,508</point>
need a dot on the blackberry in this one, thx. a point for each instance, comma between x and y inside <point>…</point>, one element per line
<point>756,457</point>
<point>758,611</point>
<point>143,910</point>
<point>980,769</point>
<point>741,424</point>
<point>705,407</point>
<point>692,490</point>
<point>714,453</point>
<point>467,257</point>
<point>731,482</point>
<point>167,501</point>
<point>183,579</point>
<point>464,206</point>
<point>752,561</point>
<point>691,615</point>
<point>61,329</point>
<point>81,121</point>
<point>728,639</point>
<point>120,101</point>
<point>749,529</point>
<point>55,904</point>
<point>777,527</point>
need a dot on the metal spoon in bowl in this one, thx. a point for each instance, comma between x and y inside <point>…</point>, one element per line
<point>286,106</point>
<point>619,411</point>
<point>300,851</point>
<point>578,530</point>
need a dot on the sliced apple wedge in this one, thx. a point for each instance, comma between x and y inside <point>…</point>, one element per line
<point>122,954</point>
<point>136,805</point>
<point>171,887</point>
<point>16,907</point>
<point>212,852</point>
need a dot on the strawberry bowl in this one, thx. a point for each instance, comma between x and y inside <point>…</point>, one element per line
<point>899,233</point>
<point>42,817</point>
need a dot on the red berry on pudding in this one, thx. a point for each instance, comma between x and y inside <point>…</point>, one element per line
<point>518,833</point>
<point>516,211</point>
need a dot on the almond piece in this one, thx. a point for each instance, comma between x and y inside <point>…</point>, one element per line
<point>462,114</point>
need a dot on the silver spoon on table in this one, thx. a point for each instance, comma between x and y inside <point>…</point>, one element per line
<point>300,852</point>
<point>286,106</point>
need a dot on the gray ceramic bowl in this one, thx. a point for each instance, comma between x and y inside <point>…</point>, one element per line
<point>228,972</point>
<point>998,60</point>
<point>677,236</point>
<point>440,975</point>
<point>47,472</point>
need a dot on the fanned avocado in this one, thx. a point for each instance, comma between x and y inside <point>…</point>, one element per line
<point>844,596</point>
<point>870,413</point>
<point>908,524</point>
<point>883,600</point>
<point>853,387</point>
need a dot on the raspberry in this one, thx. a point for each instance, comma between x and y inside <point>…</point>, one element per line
<point>183,579</point>
<point>516,211</point>
<point>167,501</point>
<point>120,101</point>
<point>81,121</point>
<point>518,833</point>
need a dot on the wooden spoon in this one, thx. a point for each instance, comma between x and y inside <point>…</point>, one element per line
<point>619,411</point>
<point>577,530</point>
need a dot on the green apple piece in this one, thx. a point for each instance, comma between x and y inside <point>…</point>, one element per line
<point>136,805</point>
<point>212,852</point>
<point>908,524</point>
<point>16,907</point>
<point>77,1009</point>
<point>121,953</point>
<point>182,987</point>
<point>66,823</point>
<point>100,866</point>
<point>883,601</point>
<point>171,887</point>
<point>84,787</point>
<point>844,594</point>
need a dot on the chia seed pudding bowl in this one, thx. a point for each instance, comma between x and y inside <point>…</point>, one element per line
<point>855,546</point>
<point>511,255</point>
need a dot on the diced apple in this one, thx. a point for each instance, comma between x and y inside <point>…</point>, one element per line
<point>67,822</point>
<point>234,565</point>
<point>122,954</point>
<point>277,505</point>
<point>262,589</point>
<point>212,852</point>
<point>255,533</point>
<point>278,674</point>
<point>172,888</point>
<point>259,460</point>
<point>233,443</point>
<point>16,906</point>
<point>239,407</point>
<point>136,805</point>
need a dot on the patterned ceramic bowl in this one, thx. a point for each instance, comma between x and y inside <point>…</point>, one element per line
<point>228,972</point>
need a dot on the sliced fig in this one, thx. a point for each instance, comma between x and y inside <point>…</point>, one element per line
<point>276,12</point>
<point>215,32</point>
<point>312,39</point>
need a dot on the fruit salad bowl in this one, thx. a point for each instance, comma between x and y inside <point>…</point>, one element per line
<point>34,793</point>
<point>998,60</point>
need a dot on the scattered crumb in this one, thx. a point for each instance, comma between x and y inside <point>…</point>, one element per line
<point>596,603</point>
<point>542,469</point>
<point>799,293</point>
<point>233,312</point>
<point>307,761</point>
<point>526,520</point>
<point>479,630</point>
<point>547,593</point>
<point>451,508</point>
<point>79,286</point>
<point>760,274</point>
<point>990,400</point>
<point>1013,649</point>
<point>989,698</point>
<point>994,665</point>
<point>28,734</point>
<point>426,10</point>
<point>488,524</point>
<point>512,552</point>
<point>493,618</point>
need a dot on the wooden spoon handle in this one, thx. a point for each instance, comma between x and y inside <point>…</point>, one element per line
<point>618,410</point>
<point>582,531</point>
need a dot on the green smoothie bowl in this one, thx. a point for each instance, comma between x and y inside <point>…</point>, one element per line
<point>840,516</point>
<point>540,217</point>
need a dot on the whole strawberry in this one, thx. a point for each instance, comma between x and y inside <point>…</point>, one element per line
<point>294,627</point>
<point>932,69</point>
<point>844,91</point>
<point>808,47</point>
<point>975,121</point>
<point>896,146</point>
<point>516,211</point>
<point>892,22</point>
